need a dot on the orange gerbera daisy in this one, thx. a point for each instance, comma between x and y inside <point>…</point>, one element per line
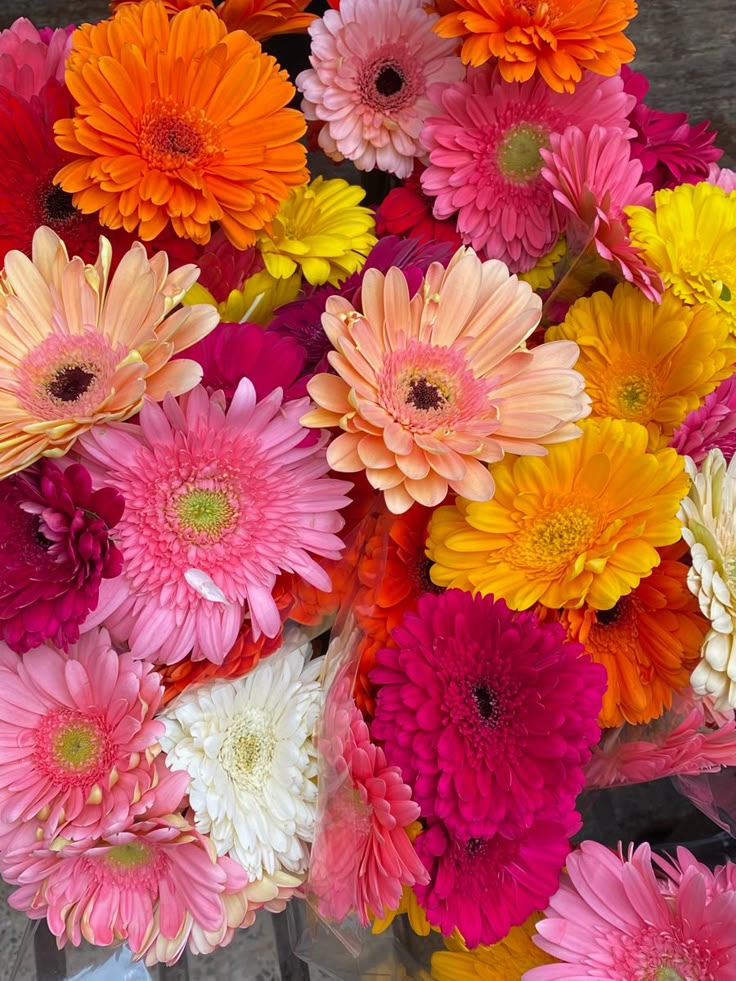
<point>178,121</point>
<point>557,39</point>
<point>649,642</point>
<point>260,18</point>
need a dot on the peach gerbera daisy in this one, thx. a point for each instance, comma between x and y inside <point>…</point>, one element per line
<point>429,389</point>
<point>559,40</point>
<point>191,130</point>
<point>79,347</point>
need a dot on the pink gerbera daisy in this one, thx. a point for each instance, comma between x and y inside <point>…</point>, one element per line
<point>371,67</point>
<point>593,179</point>
<point>364,855</point>
<point>722,177</point>
<point>712,425</point>
<point>218,503</point>
<point>485,163</point>
<point>28,59</point>
<point>611,920</point>
<point>489,713</point>
<point>77,737</point>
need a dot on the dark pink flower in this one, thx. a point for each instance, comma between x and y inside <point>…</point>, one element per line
<point>712,425</point>
<point>55,548</point>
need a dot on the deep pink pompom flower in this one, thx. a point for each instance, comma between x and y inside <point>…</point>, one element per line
<point>711,425</point>
<point>78,737</point>
<point>489,713</point>
<point>29,58</point>
<point>55,549</point>
<point>484,886</point>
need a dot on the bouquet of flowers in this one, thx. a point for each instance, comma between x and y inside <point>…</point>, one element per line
<point>345,542</point>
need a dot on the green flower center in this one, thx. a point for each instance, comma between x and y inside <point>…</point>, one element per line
<point>78,745</point>
<point>133,855</point>
<point>205,511</point>
<point>518,155</point>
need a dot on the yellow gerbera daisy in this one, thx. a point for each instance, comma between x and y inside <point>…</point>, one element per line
<point>255,302</point>
<point>647,362</point>
<point>504,961</point>
<point>581,524</point>
<point>690,240</point>
<point>321,229</point>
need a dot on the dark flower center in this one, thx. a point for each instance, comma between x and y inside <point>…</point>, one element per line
<point>70,383</point>
<point>423,395</point>
<point>57,206</point>
<point>389,80</point>
<point>609,616</point>
<point>475,847</point>
<point>421,578</point>
<point>486,701</point>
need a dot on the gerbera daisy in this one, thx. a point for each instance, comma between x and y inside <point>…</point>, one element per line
<point>649,642</point>
<point>247,747</point>
<point>431,387</point>
<point>322,230</point>
<point>710,426</point>
<point>690,239</point>
<point>408,905</point>
<point>485,886</point>
<point>364,855</point>
<point>406,210</point>
<point>470,704</point>
<point>259,18</point>
<point>648,362</point>
<point>55,548</point>
<point>593,180</point>
<point>79,347</point>
<point>485,165</point>
<point>77,737</point>
<point>557,40</point>
<point>178,138</point>
<point>371,69</point>
<point>505,960</point>
<point>611,919</point>
<point>580,525</point>
<point>28,59</point>
<point>218,503</point>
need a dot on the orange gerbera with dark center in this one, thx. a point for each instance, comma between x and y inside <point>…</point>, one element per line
<point>178,121</point>
<point>649,642</point>
<point>558,39</point>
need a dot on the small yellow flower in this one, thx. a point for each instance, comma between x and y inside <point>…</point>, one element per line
<point>504,961</point>
<point>322,230</point>
<point>542,275</point>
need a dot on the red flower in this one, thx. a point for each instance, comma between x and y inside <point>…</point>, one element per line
<point>407,211</point>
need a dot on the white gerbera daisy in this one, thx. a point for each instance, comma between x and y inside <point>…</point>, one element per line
<point>247,746</point>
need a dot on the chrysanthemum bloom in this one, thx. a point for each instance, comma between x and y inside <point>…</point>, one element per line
<point>593,180</point>
<point>178,137</point>
<point>371,69</point>
<point>691,738</point>
<point>651,363</point>
<point>489,714</point>
<point>55,548</point>
<point>247,747</point>
<point>610,919</point>
<point>485,165</point>
<point>322,230</point>
<point>363,855</point>
<point>78,737</point>
<point>218,503</point>
<point>28,60</point>
<point>406,210</point>
<point>711,425</point>
<point>672,151</point>
<point>649,642</point>
<point>429,388</point>
<point>79,347</point>
<point>485,886</point>
<point>507,959</point>
<point>580,525</point>
<point>559,41</point>
<point>690,239</point>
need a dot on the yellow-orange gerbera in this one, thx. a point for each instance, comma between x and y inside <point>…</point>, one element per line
<point>581,524</point>
<point>559,40</point>
<point>651,363</point>
<point>178,121</point>
<point>79,347</point>
<point>505,961</point>
<point>260,18</point>
<point>649,642</point>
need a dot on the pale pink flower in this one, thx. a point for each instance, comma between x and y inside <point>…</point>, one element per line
<point>218,504</point>
<point>711,425</point>
<point>371,67</point>
<point>77,738</point>
<point>431,386</point>
<point>722,177</point>
<point>593,179</point>
<point>485,165</point>
<point>28,60</point>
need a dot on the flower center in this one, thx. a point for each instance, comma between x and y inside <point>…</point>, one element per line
<point>172,136</point>
<point>389,80</point>
<point>247,750</point>
<point>656,955</point>
<point>555,538</point>
<point>70,382</point>
<point>73,748</point>
<point>633,395</point>
<point>419,573</point>
<point>518,155</point>
<point>204,511</point>
<point>607,617</point>
<point>132,855</point>
<point>57,206</point>
<point>424,395</point>
<point>487,703</point>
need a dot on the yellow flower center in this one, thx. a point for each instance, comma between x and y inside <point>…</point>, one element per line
<point>78,745</point>
<point>132,855</point>
<point>172,136</point>
<point>555,538</point>
<point>518,155</point>
<point>634,395</point>
<point>204,510</point>
<point>247,750</point>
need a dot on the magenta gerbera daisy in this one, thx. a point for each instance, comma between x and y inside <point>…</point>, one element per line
<point>55,549</point>
<point>371,67</point>
<point>78,737</point>
<point>218,504</point>
<point>712,424</point>
<point>489,713</point>
<point>485,165</point>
